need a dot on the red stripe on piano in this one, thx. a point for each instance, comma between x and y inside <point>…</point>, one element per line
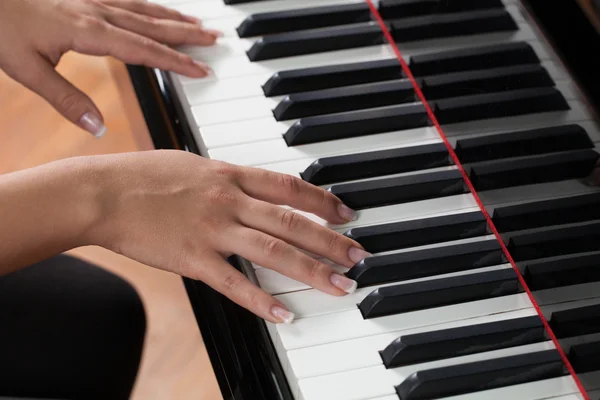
<point>419,93</point>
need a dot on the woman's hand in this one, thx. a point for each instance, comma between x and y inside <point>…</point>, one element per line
<point>36,33</point>
<point>186,214</point>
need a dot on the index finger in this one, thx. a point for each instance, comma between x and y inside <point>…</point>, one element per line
<point>289,190</point>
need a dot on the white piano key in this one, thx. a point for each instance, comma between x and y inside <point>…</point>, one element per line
<point>275,283</point>
<point>245,109</point>
<point>277,150</point>
<point>202,92</point>
<point>363,352</point>
<point>378,381</point>
<point>312,303</point>
<point>330,328</point>
<point>562,388</point>
<point>241,66</point>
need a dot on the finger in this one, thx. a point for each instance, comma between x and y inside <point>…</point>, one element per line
<point>151,10</point>
<point>227,280</point>
<point>275,254</point>
<point>301,232</point>
<point>161,30</point>
<point>40,76</point>
<point>292,191</point>
<point>131,48</point>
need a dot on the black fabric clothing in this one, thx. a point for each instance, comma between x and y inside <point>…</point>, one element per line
<point>69,330</point>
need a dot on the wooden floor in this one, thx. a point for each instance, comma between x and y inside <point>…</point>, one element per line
<point>175,364</point>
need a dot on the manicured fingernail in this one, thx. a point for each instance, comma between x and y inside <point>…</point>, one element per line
<point>202,68</point>
<point>214,32</point>
<point>282,314</point>
<point>346,284</point>
<point>92,123</point>
<point>357,255</point>
<point>194,20</point>
<point>347,213</point>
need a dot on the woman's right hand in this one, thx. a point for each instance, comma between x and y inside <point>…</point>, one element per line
<point>186,214</point>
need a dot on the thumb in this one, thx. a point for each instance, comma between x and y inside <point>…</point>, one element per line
<point>41,77</point>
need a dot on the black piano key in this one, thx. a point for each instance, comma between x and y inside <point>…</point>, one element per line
<point>315,41</point>
<point>536,214</point>
<point>303,18</point>
<point>462,341</point>
<point>405,8</point>
<point>554,241</point>
<point>402,189</point>
<point>482,375</point>
<point>473,58</point>
<point>331,76</point>
<point>428,262</point>
<point>452,24</point>
<point>499,105</point>
<point>376,163</point>
<point>523,143</point>
<point>575,321</point>
<point>553,272</point>
<point>585,357</point>
<point>356,123</point>
<point>441,292</point>
<point>386,93</point>
<point>485,81</point>
<point>498,174</point>
<point>349,98</point>
<point>419,232</point>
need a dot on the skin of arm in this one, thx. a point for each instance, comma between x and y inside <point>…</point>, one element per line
<point>47,210</point>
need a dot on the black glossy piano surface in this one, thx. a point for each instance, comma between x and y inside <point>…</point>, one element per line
<point>243,356</point>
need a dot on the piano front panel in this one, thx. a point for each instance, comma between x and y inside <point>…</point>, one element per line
<point>312,88</point>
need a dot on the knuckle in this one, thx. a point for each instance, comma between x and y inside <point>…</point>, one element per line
<point>290,220</point>
<point>316,269</point>
<point>232,282</point>
<point>273,248</point>
<point>253,299</point>
<point>222,195</point>
<point>225,170</point>
<point>69,102</point>
<point>333,242</point>
<point>289,184</point>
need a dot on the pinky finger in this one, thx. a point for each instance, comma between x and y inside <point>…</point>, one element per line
<point>230,282</point>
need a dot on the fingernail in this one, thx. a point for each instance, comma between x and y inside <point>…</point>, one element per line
<point>347,213</point>
<point>194,20</point>
<point>214,32</point>
<point>204,67</point>
<point>282,314</point>
<point>346,284</point>
<point>357,255</point>
<point>92,123</point>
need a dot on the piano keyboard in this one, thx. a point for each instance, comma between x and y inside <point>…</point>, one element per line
<point>312,88</point>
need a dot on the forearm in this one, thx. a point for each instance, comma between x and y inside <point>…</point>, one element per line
<point>47,210</point>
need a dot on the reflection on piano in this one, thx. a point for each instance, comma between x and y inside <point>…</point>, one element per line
<point>313,88</point>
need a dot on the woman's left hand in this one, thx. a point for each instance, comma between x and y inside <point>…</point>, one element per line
<point>36,33</point>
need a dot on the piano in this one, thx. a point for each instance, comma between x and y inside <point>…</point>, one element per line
<point>464,132</point>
